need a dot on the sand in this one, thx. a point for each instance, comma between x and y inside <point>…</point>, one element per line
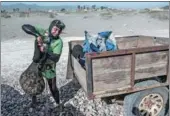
<point>76,24</point>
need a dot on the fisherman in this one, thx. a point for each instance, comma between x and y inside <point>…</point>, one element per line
<point>51,44</point>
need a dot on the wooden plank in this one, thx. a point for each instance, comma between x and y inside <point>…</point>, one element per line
<point>150,71</point>
<point>161,40</point>
<point>69,74</point>
<point>80,72</point>
<point>126,38</point>
<point>127,44</point>
<point>135,42</point>
<point>145,42</point>
<point>151,64</point>
<point>111,81</point>
<point>111,72</point>
<point>133,70</point>
<point>112,77</point>
<point>151,58</point>
<point>130,51</point>
<point>168,75</point>
<point>89,74</point>
<point>111,92</point>
<point>108,64</point>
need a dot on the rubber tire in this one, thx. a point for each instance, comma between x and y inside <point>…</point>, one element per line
<point>134,99</point>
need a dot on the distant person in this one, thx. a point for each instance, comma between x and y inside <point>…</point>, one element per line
<point>51,44</point>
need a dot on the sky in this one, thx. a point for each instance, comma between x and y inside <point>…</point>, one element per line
<point>112,4</point>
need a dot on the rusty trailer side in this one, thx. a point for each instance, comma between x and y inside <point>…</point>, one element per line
<point>115,73</point>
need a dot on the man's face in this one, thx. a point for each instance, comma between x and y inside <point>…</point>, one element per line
<point>55,31</point>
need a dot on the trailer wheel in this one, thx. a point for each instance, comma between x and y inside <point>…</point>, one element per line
<point>152,102</point>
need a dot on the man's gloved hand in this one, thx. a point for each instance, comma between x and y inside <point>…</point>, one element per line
<point>53,57</point>
<point>39,39</point>
<point>40,43</point>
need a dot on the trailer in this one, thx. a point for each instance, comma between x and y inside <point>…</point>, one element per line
<point>138,71</point>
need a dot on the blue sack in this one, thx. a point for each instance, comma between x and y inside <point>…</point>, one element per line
<point>105,34</point>
<point>99,43</point>
<point>89,43</point>
<point>110,45</point>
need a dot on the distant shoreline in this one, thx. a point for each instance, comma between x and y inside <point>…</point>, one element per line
<point>23,6</point>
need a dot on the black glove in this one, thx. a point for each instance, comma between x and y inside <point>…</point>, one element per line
<point>53,57</point>
<point>37,53</point>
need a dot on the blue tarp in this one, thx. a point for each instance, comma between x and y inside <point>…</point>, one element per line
<point>99,43</point>
<point>90,44</point>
